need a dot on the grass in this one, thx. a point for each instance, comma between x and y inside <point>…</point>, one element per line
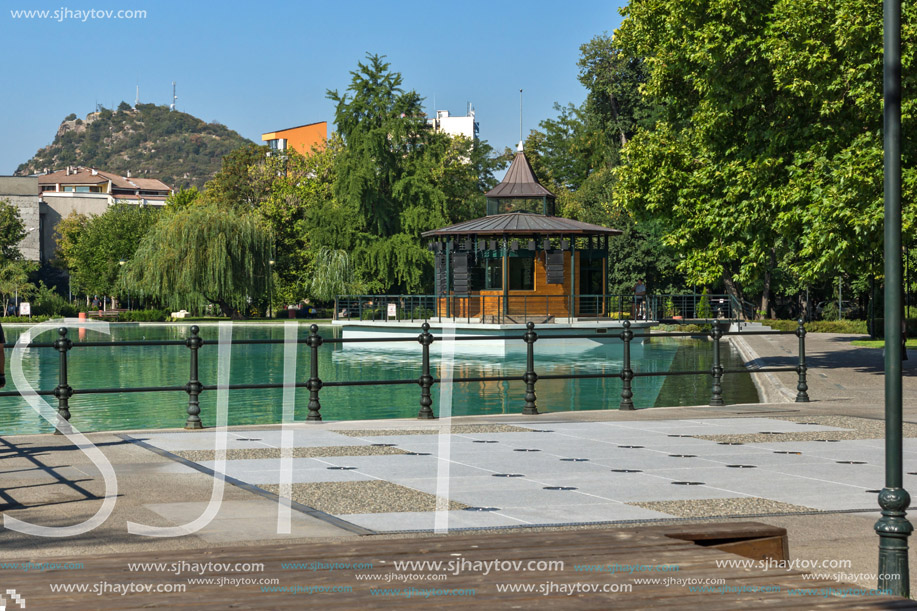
<point>879,343</point>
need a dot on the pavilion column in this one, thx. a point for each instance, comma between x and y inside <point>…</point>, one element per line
<point>505,277</point>
<point>605,277</point>
<point>572,277</point>
<point>448,278</point>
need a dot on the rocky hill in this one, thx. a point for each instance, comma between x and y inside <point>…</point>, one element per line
<point>149,141</point>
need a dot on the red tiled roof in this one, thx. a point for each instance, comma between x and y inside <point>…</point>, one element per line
<point>84,176</point>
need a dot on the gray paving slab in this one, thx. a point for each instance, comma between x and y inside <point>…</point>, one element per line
<point>583,512</point>
<point>388,522</point>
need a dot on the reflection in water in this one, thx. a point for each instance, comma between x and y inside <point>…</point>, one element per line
<point>113,367</point>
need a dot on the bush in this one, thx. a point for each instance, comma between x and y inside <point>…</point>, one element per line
<point>822,326</point>
<point>50,303</point>
<point>34,319</point>
<point>703,306</point>
<point>372,314</point>
<point>145,316</point>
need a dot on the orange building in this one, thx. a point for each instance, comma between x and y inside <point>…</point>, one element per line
<point>301,139</point>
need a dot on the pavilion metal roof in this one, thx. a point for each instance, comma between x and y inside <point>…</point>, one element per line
<point>522,223</point>
<point>519,182</point>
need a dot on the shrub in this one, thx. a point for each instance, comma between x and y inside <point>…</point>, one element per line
<point>822,326</point>
<point>703,306</point>
<point>50,303</point>
<point>371,314</point>
<point>145,316</point>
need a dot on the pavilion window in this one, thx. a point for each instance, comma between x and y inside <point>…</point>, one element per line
<point>493,273</point>
<point>521,274</point>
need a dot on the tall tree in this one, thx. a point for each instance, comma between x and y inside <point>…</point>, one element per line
<point>397,178</point>
<point>766,153</point>
<point>203,254</point>
<point>93,248</point>
<point>12,231</point>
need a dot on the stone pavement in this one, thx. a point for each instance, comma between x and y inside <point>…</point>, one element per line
<point>787,464</point>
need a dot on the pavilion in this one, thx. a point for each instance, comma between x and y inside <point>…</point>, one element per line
<point>521,263</point>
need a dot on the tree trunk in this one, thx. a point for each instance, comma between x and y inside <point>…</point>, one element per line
<point>765,296</point>
<point>733,290</point>
<point>767,307</point>
<point>225,308</point>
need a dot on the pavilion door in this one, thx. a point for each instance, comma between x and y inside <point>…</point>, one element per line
<point>591,287</point>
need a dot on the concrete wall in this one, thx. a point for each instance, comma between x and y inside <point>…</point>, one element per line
<point>57,206</point>
<point>22,192</point>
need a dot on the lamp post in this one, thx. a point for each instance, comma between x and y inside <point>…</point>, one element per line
<point>893,527</point>
<point>270,284</point>
<point>121,264</point>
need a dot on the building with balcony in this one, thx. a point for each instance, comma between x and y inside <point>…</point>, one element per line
<point>301,139</point>
<point>91,192</point>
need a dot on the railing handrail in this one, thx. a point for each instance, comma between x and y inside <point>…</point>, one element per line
<point>474,306</point>
<point>194,387</point>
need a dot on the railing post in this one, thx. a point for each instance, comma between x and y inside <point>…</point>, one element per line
<point>530,376</point>
<point>627,373</point>
<point>717,370</point>
<point>63,392</point>
<point>194,387</point>
<point>802,395</point>
<point>315,384</point>
<point>426,380</point>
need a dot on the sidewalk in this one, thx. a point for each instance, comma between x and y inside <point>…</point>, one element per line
<point>576,468</point>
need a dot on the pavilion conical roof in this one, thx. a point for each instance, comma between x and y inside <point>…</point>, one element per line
<point>520,182</point>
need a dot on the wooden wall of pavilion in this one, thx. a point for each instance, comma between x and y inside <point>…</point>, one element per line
<point>544,300</point>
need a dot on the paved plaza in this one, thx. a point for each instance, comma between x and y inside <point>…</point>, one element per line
<point>812,468</point>
<point>553,473</point>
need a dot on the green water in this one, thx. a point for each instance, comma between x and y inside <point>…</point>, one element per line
<point>145,366</point>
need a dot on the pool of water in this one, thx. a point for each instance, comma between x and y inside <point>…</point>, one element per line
<point>146,366</point>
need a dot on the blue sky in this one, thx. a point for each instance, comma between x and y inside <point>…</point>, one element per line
<point>261,66</point>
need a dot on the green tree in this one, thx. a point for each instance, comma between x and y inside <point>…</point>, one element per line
<point>764,159</point>
<point>182,198</point>
<point>395,178</point>
<point>92,248</point>
<point>203,254</point>
<point>299,190</point>
<point>14,279</point>
<point>12,231</point>
<point>332,274</point>
<point>233,185</point>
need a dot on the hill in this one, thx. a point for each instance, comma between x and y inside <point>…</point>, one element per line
<point>149,141</point>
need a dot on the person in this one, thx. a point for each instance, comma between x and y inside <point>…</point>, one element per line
<point>640,299</point>
<point>2,358</point>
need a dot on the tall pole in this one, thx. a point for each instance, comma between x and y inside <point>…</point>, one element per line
<point>520,117</point>
<point>893,527</point>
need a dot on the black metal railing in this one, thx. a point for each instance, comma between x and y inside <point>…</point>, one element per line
<point>63,391</point>
<point>514,308</point>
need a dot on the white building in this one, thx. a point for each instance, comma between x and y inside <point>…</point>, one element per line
<point>455,125</point>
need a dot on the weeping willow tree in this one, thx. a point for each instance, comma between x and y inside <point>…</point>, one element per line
<point>332,274</point>
<point>203,254</point>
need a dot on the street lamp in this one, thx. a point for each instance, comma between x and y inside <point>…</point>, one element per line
<point>121,264</point>
<point>893,527</point>
<point>270,284</point>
